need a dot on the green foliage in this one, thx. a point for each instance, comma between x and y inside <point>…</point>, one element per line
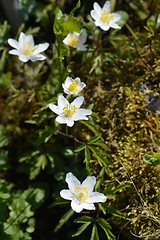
<point>117,144</point>
<point>153,159</point>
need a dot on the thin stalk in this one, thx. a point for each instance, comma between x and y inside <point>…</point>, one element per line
<point>131,31</point>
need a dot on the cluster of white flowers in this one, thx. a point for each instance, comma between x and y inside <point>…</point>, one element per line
<point>81,195</point>
<point>26,50</point>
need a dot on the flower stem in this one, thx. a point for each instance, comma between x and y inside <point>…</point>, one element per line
<point>70,136</point>
<point>131,31</point>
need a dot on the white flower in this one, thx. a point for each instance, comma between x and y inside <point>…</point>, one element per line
<point>69,112</point>
<point>104,18</point>
<point>82,195</point>
<point>25,48</point>
<point>76,40</point>
<point>73,86</point>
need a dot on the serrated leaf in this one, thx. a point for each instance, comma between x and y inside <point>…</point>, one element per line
<point>81,229</point>
<point>72,25</point>
<point>106,226</point>
<point>94,235</point>
<point>80,148</point>
<point>84,219</point>
<point>64,219</point>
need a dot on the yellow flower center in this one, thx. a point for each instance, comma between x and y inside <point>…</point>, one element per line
<point>81,193</point>
<point>72,40</point>
<point>69,110</point>
<point>73,87</point>
<point>106,16</point>
<point>28,48</point>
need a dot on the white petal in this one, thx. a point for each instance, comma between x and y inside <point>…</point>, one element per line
<point>106,6</point>
<point>22,38</point>
<point>65,41</point>
<point>94,15</point>
<point>29,38</point>
<point>97,8</point>
<point>13,43</point>
<point>76,207</point>
<point>81,47</point>
<point>83,37</point>
<point>68,81</point>
<point>66,194</point>
<point>62,101</point>
<point>88,206</point>
<point>81,114</point>
<point>89,183</point>
<point>23,58</point>
<point>65,89</point>
<point>69,122</point>
<point>105,27</point>
<point>41,47</point>
<point>78,101</point>
<point>37,57</point>
<point>96,197</point>
<point>72,181</point>
<point>55,108</point>
<point>61,120</point>
<point>98,22</point>
<point>116,17</point>
<point>114,25</point>
<point>14,52</point>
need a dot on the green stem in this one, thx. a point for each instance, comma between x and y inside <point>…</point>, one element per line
<point>131,31</point>
<point>67,130</point>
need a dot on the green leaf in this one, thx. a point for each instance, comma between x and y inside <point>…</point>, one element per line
<point>72,25</point>
<point>106,226</point>
<point>91,126</point>
<point>81,229</point>
<point>3,60</point>
<point>75,8</point>
<point>101,158</point>
<point>94,235</point>
<point>99,179</point>
<point>102,144</point>
<point>87,158</point>
<point>80,148</point>
<point>152,160</point>
<point>124,17</point>
<point>120,187</point>
<point>64,219</point>
<point>59,201</point>
<point>59,19</point>
<point>114,211</point>
<point>95,138</point>
<point>84,219</point>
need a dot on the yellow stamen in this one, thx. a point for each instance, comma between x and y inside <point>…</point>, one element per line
<point>28,48</point>
<point>72,39</point>
<point>69,110</point>
<point>81,193</point>
<point>106,16</point>
<point>73,87</point>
